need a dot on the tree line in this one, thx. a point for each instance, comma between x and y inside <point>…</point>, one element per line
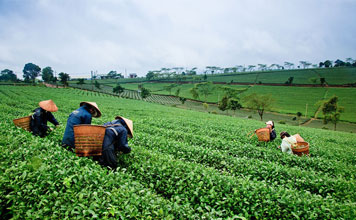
<point>179,72</point>
<point>32,71</point>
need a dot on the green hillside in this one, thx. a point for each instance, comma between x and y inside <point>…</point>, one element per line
<point>288,99</point>
<point>333,76</point>
<point>184,165</point>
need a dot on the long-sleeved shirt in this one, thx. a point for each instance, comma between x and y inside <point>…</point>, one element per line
<point>39,120</point>
<point>77,117</point>
<point>286,145</point>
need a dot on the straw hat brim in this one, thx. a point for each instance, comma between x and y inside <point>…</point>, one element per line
<point>129,124</point>
<point>48,105</point>
<point>97,113</point>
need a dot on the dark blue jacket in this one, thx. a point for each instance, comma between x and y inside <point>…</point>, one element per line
<point>77,117</point>
<point>39,120</point>
<point>273,135</point>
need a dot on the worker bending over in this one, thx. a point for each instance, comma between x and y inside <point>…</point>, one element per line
<point>115,140</point>
<point>41,115</point>
<point>287,142</point>
<point>82,115</point>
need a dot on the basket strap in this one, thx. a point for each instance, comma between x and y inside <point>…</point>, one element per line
<point>114,131</point>
<point>291,144</point>
<point>113,125</point>
<point>252,134</point>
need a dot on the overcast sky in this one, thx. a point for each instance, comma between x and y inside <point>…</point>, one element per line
<point>77,36</point>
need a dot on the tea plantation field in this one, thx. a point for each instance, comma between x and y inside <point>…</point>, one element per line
<point>183,165</point>
<point>287,99</point>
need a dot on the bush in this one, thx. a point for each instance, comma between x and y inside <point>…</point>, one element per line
<point>282,122</point>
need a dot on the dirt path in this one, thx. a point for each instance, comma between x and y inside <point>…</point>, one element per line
<point>52,86</point>
<point>317,111</point>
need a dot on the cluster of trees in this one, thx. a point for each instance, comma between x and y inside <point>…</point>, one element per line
<point>32,71</point>
<point>8,75</point>
<point>338,63</point>
<point>170,73</point>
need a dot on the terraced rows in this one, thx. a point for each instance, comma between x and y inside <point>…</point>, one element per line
<point>184,165</point>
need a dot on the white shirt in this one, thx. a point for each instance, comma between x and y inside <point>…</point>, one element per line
<point>286,145</point>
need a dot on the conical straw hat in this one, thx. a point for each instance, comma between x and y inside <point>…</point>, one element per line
<point>48,105</point>
<point>129,124</point>
<point>97,113</point>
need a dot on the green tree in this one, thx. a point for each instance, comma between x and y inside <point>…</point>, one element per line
<point>223,104</point>
<point>194,93</point>
<point>234,104</point>
<point>299,114</point>
<point>30,72</point>
<point>118,89</point>
<point>47,74</point>
<point>289,81</point>
<point>205,89</point>
<point>322,81</point>
<point>81,81</point>
<point>206,105</point>
<point>145,93</point>
<point>258,102</point>
<point>182,99</point>
<point>177,92</point>
<point>205,77</point>
<point>332,111</point>
<point>64,78</point>
<point>150,75</point>
<point>97,84</point>
<point>8,75</point>
<point>328,64</point>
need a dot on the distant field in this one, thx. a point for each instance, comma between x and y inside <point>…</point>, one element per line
<point>291,99</point>
<point>333,76</point>
<point>287,99</point>
<point>347,99</point>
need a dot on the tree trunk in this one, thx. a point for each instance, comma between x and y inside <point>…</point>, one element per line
<point>260,112</point>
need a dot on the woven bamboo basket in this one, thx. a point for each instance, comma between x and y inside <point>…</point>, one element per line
<point>263,134</point>
<point>23,122</point>
<point>301,148</point>
<point>88,140</point>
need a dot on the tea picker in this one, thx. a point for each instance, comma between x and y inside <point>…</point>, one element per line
<point>42,114</point>
<point>265,134</point>
<point>294,144</point>
<point>272,133</point>
<point>115,140</point>
<point>82,115</point>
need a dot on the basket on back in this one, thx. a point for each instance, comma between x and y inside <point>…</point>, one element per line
<point>301,148</point>
<point>263,134</point>
<point>88,140</point>
<point>23,122</point>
